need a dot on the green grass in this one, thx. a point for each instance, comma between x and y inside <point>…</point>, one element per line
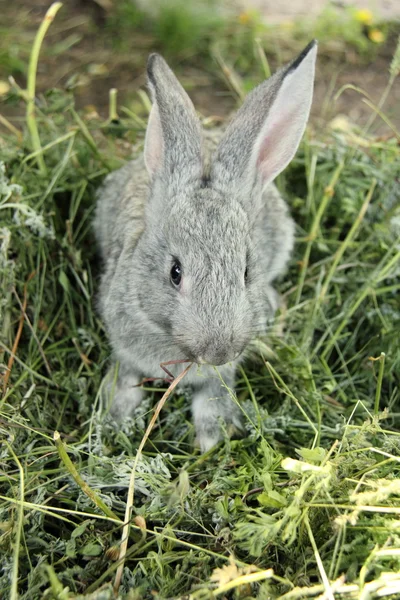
<point>308,501</point>
<point>180,28</point>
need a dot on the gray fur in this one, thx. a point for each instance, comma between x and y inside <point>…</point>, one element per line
<point>217,216</point>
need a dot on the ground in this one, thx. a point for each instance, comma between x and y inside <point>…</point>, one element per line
<point>82,54</point>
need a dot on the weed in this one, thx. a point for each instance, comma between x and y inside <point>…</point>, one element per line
<point>338,27</point>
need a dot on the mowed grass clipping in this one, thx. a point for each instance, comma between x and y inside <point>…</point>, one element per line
<point>308,504</point>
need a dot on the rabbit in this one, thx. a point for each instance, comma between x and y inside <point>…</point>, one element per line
<point>192,234</point>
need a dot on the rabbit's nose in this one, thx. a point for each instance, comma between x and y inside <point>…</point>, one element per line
<point>216,357</point>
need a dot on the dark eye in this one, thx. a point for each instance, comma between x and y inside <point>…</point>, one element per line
<point>176,273</point>
<point>245,274</point>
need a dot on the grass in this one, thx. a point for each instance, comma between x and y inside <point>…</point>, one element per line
<point>308,504</point>
<point>184,29</point>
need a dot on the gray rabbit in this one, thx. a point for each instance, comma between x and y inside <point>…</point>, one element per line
<point>192,235</point>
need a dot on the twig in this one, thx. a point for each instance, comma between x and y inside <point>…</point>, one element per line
<point>243,580</point>
<point>11,128</point>
<point>168,379</point>
<point>131,489</point>
<point>252,492</point>
<point>18,335</point>
<point>163,365</point>
<point>23,310</point>
<point>26,367</point>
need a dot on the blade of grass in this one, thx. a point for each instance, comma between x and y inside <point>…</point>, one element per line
<point>321,568</point>
<point>57,588</point>
<point>17,543</point>
<point>393,73</point>
<point>326,198</point>
<point>44,149</point>
<point>53,510</point>
<point>31,83</point>
<point>27,320</point>
<point>231,78</point>
<point>112,111</point>
<point>262,57</point>
<point>379,383</point>
<point>62,451</point>
<point>378,274</point>
<point>348,239</point>
<point>88,136</point>
<point>285,390</point>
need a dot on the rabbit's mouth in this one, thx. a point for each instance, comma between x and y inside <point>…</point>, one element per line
<point>214,360</point>
<point>218,360</point>
<point>210,355</point>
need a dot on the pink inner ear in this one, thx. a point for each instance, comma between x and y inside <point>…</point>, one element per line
<point>154,143</point>
<point>266,146</point>
<point>279,139</point>
<point>271,152</point>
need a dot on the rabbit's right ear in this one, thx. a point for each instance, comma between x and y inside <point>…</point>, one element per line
<point>265,134</point>
<point>173,143</point>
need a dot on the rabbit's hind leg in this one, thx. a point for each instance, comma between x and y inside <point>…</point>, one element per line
<point>212,403</point>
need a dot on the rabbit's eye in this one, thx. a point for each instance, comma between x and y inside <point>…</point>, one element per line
<point>176,273</point>
<point>245,274</point>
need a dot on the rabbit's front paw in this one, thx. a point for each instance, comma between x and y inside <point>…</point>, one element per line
<point>208,412</point>
<point>125,397</point>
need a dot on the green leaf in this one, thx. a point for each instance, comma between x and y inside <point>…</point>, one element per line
<point>64,281</point>
<point>316,455</point>
<point>81,528</point>
<point>91,549</point>
<point>272,499</point>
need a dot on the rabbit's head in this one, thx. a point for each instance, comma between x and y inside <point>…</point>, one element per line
<point>202,278</point>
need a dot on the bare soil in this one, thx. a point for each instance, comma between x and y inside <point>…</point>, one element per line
<point>79,52</point>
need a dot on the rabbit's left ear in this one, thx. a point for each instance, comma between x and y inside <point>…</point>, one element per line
<point>265,134</point>
<point>173,141</point>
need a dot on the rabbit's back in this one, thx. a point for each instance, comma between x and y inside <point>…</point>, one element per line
<point>120,208</point>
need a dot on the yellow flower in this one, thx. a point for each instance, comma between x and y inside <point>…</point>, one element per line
<point>376,36</point>
<point>364,15</point>
<point>4,87</point>
<point>244,18</point>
